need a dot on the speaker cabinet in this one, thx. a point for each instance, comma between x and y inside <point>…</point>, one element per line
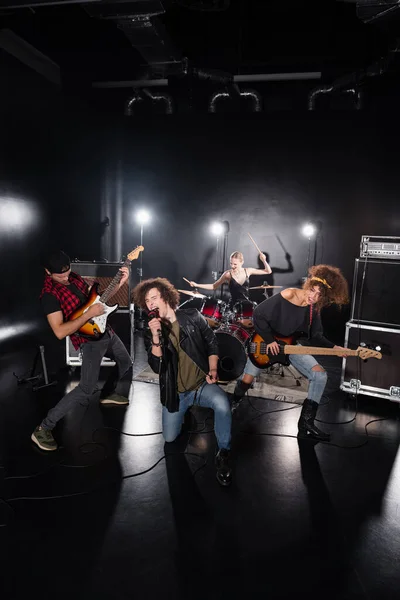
<point>376,289</point>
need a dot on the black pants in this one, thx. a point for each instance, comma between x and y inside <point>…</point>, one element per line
<point>92,355</point>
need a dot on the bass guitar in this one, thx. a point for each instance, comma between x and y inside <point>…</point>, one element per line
<point>261,359</point>
<point>95,327</point>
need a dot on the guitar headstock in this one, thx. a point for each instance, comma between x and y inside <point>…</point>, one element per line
<point>135,253</point>
<point>366,353</point>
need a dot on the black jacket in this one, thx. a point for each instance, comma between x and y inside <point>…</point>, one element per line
<point>198,341</point>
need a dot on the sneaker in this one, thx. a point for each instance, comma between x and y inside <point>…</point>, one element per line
<point>115,399</point>
<point>224,470</point>
<point>44,439</point>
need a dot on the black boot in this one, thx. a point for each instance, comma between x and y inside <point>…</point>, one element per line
<point>306,425</point>
<point>240,390</point>
<point>224,470</point>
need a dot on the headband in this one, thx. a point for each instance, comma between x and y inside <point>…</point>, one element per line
<point>322,281</point>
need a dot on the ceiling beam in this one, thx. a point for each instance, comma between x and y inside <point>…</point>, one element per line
<point>30,56</point>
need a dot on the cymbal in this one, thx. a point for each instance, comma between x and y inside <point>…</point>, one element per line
<point>265,287</point>
<point>193,294</point>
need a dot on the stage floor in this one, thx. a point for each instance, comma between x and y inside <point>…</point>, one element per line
<point>110,516</point>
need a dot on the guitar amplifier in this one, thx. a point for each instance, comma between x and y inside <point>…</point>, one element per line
<point>376,289</point>
<point>122,323</point>
<point>380,247</point>
<point>104,273</point>
<point>378,378</point>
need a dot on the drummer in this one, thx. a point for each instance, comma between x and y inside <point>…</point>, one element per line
<point>237,277</point>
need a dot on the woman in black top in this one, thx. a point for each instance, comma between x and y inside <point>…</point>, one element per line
<point>237,277</point>
<point>297,312</point>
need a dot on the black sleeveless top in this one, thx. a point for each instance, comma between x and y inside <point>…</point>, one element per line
<point>239,292</point>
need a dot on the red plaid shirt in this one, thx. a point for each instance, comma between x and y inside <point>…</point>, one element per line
<point>68,301</point>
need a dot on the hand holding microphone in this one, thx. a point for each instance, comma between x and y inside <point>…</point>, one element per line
<point>155,325</point>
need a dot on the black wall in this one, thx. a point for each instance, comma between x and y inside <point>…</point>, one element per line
<point>265,174</point>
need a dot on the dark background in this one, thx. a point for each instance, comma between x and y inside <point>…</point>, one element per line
<point>265,175</point>
<point>67,146</point>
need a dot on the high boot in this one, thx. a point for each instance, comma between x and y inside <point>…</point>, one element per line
<point>240,390</point>
<point>306,425</point>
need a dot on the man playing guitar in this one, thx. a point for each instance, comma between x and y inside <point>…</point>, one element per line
<point>63,291</point>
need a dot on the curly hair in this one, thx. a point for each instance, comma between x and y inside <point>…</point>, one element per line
<point>168,292</point>
<point>333,287</point>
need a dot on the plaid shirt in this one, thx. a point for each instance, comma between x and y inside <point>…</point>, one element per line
<point>68,301</point>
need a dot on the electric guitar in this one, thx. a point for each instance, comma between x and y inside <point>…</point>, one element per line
<point>95,327</point>
<point>259,357</point>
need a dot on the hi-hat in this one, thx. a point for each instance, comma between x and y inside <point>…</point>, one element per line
<point>193,294</point>
<point>265,287</point>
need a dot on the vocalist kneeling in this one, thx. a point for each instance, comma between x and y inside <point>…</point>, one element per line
<point>183,350</point>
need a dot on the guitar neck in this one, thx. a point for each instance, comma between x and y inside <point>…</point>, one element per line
<point>108,292</point>
<point>318,351</point>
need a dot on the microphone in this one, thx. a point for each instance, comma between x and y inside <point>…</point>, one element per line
<point>154,314</point>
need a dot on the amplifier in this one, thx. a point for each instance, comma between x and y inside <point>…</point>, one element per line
<point>103,274</point>
<point>380,246</point>
<point>378,378</point>
<point>376,289</point>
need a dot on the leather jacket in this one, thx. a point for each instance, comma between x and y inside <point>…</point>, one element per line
<point>196,338</point>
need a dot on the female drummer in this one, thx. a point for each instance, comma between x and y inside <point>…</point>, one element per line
<point>237,277</point>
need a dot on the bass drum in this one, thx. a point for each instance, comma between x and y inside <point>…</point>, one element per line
<point>232,341</point>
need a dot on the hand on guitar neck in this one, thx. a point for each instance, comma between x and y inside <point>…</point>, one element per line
<point>263,355</point>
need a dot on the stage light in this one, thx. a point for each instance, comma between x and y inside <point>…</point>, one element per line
<point>17,215</point>
<point>309,229</point>
<point>217,228</point>
<point>142,217</point>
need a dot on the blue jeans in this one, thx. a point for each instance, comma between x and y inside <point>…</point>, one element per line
<point>303,363</point>
<point>210,396</point>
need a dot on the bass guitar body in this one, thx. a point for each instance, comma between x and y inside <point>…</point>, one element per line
<point>258,351</point>
<point>96,327</point>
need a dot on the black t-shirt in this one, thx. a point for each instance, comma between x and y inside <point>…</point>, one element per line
<point>50,304</point>
<point>276,314</point>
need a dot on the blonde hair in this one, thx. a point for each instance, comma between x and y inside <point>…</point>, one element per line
<point>238,255</point>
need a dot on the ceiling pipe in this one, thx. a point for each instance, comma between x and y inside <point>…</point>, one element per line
<point>231,94</point>
<point>163,82</point>
<point>352,81</point>
<point>165,98</point>
<point>129,104</point>
<point>155,98</point>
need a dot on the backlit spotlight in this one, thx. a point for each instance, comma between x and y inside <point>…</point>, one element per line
<point>217,228</point>
<point>309,230</point>
<point>142,217</point>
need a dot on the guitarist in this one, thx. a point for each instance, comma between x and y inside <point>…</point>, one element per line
<point>296,312</point>
<point>63,291</point>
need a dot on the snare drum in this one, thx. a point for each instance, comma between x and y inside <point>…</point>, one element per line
<point>213,310</point>
<point>243,310</point>
<point>232,341</point>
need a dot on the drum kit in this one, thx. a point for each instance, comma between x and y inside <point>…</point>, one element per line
<point>233,327</point>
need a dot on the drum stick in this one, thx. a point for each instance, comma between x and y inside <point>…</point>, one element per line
<point>254,243</point>
<point>184,278</point>
<point>282,246</point>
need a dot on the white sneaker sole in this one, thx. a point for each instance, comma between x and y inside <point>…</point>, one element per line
<point>36,441</point>
<point>106,401</point>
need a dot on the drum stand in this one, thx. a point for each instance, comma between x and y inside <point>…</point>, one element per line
<point>295,374</point>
